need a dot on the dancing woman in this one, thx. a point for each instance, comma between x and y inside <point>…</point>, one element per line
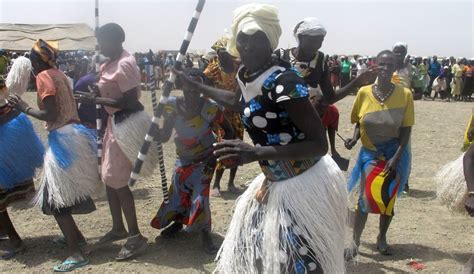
<point>21,150</point>
<point>127,125</point>
<point>455,182</point>
<point>70,165</point>
<point>383,114</point>
<point>193,118</point>
<point>221,72</point>
<point>292,216</point>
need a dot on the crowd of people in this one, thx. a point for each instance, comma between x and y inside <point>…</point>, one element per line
<point>292,216</point>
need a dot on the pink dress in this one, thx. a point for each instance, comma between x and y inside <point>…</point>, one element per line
<point>116,78</point>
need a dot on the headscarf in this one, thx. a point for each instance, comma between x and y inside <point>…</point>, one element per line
<point>401,44</point>
<point>251,18</point>
<point>48,51</point>
<point>310,26</point>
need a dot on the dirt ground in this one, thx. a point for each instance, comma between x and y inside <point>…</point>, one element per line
<point>422,230</point>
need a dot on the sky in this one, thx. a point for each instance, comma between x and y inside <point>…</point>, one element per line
<point>443,28</point>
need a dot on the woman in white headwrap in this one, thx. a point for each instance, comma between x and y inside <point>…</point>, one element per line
<point>309,62</point>
<point>291,219</point>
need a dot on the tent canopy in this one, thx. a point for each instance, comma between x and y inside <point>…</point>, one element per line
<point>21,37</point>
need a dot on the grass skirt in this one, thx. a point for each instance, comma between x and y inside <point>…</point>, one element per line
<point>70,173</point>
<point>451,183</point>
<point>21,152</point>
<point>301,227</point>
<point>130,135</point>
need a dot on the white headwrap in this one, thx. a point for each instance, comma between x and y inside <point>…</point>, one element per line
<point>251,18</point>
<point>309,26</point>
<point>401,44</point>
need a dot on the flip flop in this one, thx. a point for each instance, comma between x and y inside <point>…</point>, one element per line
<point>386,251</point>
<point>10,254</point>
<point>130,250</point>
<point>62,241</point>
<point>111,237</point>
<point>70,265</point>
<point>215,192</point>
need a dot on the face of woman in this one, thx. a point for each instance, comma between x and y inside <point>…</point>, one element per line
<point>255,50</point>
<point>387,65</point>
<point>400,53</point>
<point>108,48</point>
<point>191,97</point>
<point>310,44</point>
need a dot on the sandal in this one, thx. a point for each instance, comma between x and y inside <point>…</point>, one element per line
<point>131,249</point>
<point>215,192</point>
<point>111,237</point>
<point>10,254</point>
<point>384,249</point>
<point>61,240</point>
<point>70,265</point>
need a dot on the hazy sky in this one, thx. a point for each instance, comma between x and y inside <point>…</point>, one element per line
<point>363,27</point>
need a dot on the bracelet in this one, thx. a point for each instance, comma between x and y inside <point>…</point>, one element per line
<point>470,193</point>
<point>27,110</point>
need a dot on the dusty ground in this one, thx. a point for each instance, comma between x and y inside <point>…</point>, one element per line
<point>422,229</point>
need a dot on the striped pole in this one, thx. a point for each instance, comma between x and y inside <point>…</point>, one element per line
<point>166,90</point>
<point>98,108</point>
<point>161,160</point>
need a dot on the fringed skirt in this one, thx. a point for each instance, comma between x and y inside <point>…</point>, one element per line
<point>300,228</point>
<point>21,153</point>
<point>452,189</point>
<point>121,144</point>
<point>70,173</point>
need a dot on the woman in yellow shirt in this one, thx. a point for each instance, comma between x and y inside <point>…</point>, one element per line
<point>456,84</point>
<point>383,114</point>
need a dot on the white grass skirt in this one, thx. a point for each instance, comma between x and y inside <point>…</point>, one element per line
<point>70,173</point>
<point>452,188</point>
<point>311,207</point>
<point>130,135</point>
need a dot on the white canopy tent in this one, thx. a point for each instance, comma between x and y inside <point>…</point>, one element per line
<point>20,37</point>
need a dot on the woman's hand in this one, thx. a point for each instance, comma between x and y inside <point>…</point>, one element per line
<point>184,81</point>
<point>469,205</point>
<point>391,167</point>
<point>350,143</point>
<point>367,77</point>
<point>85,97</point>
<point>16,102</point>
<point>233,153</point>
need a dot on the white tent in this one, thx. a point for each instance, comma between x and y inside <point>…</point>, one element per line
<point>20,37</point>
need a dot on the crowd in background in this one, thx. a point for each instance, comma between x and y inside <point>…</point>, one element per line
<point>436,78</point>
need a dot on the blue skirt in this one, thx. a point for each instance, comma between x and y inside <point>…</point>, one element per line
<point>21,152</point>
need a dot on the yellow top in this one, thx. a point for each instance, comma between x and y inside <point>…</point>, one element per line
<point>381,122</point>
<point>468,142</point>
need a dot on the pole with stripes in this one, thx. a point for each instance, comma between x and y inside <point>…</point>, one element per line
<point>98,108</point>
<point>166,90</point>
